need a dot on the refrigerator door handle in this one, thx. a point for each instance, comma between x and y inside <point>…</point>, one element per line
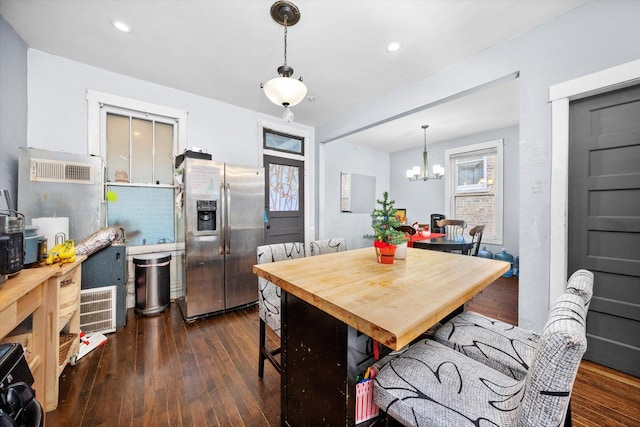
<point>227,225</point>
<point>223,220</point>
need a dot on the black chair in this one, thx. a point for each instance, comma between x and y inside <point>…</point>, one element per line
<point>453,227</point>
<point>434,223</point>
<point>476,237</point>
<point>406,229</point>
<point>19,407</point>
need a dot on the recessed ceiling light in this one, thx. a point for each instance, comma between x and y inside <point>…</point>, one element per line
<point>122,26</point>
<point>394,46</point>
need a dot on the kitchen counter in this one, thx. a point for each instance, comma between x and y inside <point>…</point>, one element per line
<point>35,292</point>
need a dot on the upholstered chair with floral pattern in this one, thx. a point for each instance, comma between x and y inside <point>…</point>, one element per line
<point>506,348</point>
<point>431,384</point>
<point>269,298</point>
<point>327,246</point>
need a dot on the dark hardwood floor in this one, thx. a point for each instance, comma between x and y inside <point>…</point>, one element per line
<point>161,371</point>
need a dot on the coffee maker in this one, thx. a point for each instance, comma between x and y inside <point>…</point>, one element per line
<point>11,243</point>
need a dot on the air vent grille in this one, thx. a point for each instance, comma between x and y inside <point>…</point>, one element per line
<point>45,170</point>
<point>98,310</point>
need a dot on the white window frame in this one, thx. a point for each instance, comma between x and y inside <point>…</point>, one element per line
<point>108,109</point>
<point>96,138</point>
<point>472,188</point>
<point>452,189</point>
<point>97,115</point>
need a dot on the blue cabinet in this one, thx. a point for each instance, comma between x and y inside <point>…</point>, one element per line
<point>108,267</point>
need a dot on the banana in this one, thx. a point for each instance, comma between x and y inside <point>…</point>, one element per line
<point>54,254</point>
<point>63,253</point>
<point>68,255</point>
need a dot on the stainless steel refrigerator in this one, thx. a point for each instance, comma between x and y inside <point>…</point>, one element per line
<point>223,221</point>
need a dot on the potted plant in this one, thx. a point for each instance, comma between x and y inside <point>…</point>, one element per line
<point>384,222</point>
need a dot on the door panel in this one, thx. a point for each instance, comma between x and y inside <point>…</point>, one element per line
<point>284,200</point>
<point>204,256</point>
<point>604,221</point>
<point>245,188</point>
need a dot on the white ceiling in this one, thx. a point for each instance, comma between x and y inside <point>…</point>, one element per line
<point>224,49</point>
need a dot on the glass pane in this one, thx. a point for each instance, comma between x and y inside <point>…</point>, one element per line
<point>345,192</point>
<point>471,173</point>
<point>163,162</point>
<point>283,142</point>
<point>283,188</point>
<point>141,151</point>
<point>117,146</point>
<point>476,173</point>
<point>478,209</point>
<point>145,213</point>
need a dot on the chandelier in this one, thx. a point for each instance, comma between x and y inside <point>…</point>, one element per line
<point>415,174</point>
<point>285,90</point>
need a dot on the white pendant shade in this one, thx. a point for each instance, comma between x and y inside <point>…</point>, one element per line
<point>285,90</point>
<point>438,170</point>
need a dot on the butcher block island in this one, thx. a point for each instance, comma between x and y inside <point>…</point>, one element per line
<point>392,304</point>
<point>333,303</point>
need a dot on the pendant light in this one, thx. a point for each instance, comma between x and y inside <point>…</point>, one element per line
<point>285,90</point>
<point>416,175</point>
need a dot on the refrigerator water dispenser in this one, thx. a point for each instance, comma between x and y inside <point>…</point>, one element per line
<point>206,210</point>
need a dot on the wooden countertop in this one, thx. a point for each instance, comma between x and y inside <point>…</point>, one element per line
<point>27,279</point>
<point>394,303</point>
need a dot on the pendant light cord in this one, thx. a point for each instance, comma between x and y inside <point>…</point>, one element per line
<point>285,40</point>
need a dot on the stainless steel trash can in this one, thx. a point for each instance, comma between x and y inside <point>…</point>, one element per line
<point>152,283</point>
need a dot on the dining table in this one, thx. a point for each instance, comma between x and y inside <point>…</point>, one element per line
<point>445,243</point>
<point>422,236</point>
<point>336,308</point>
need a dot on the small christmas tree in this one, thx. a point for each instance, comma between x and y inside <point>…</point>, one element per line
<point>384,222</point>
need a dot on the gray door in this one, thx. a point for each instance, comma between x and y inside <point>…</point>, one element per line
<point>284,200</point>
<point>604,221</point>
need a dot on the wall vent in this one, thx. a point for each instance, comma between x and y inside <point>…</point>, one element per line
<point>98,310</point>
<point>46,170</point>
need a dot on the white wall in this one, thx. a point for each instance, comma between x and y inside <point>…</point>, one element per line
<point>342,156</point>
<point>421,199</point>
<point>58,121</point>
<point>57,117</point>
<point>598,35</point>
<point>595,36</point>
<point>13,105</point>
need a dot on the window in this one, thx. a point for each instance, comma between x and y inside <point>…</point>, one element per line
<point>284,194</point>
<point>474,187</point>
<point>139,142</point>
<point>471,175</point>
<point>139,150</point>
<point>282,142</point>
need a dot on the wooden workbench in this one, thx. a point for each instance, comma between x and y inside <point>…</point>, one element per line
<point>35,292</point>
